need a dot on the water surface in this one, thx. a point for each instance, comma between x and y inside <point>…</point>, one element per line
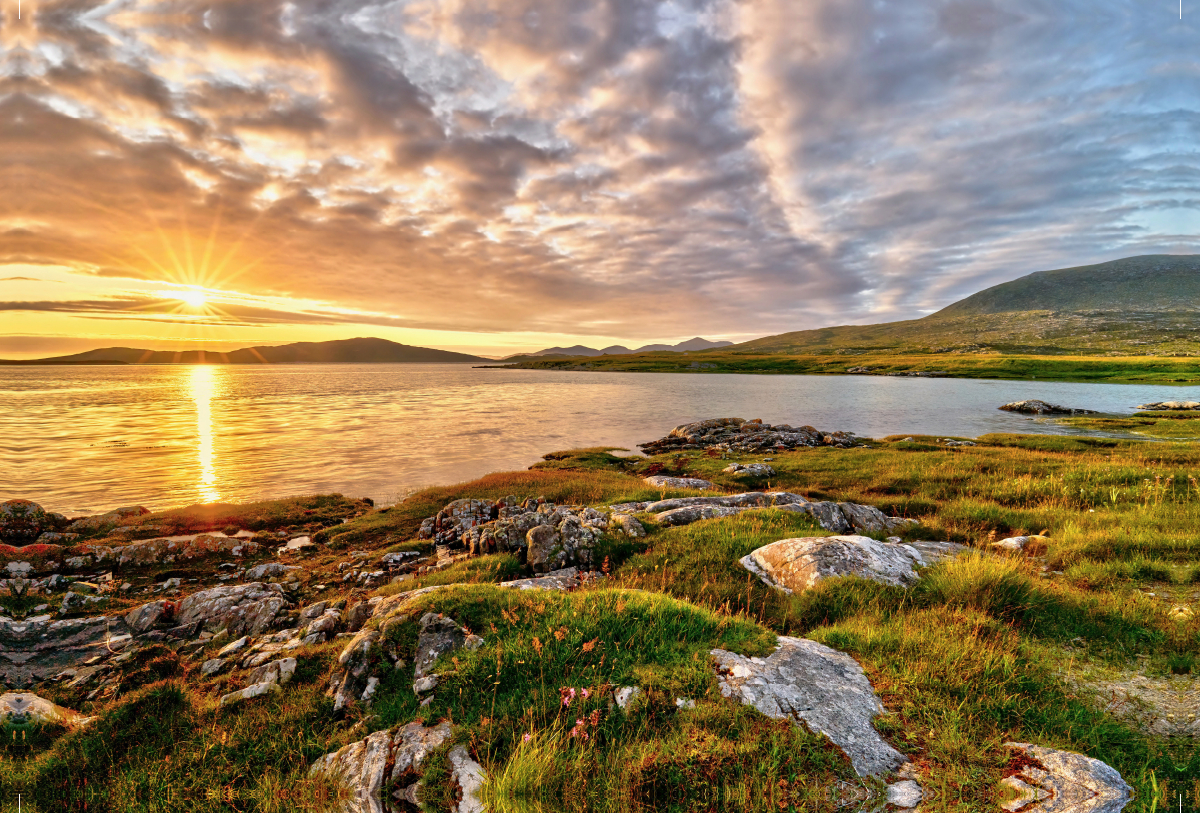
<point>82,439</point>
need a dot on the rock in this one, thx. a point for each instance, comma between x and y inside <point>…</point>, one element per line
<point>20,709</point>
<point>74,602</point>
<point>1026,793</point>
<point>468,775</point>
<point>738,436</point>
<point>213,666</point>
<point>1072,782</point>
<point>239,609</point>
<point>279,671</point>
<point>39,648</point>
<point>1162,405</point>
<point>103,523</point>
<point>248,693</point>
<point>1036,407</point>
<point>144,618</point>
<point>797,564</point>
<point>1016,544</point>
<point>803,680</point>
<point>829,516</point>
<point>22,521</point>
<point>234,646</point>
<point>749,470</point>
<point>19,569</point>
<point>358,615</point>
<point>627,525</point>
<point>694,513</point>
<point>904,794</point>
<point>314,610</point>
<point>626,695</point>
<point>426,684</point>
<point>953,443</point>
<point>362,767</point>
<point>57,583</point>
<point>440,636</point>
<point>326,624</point>
<point>268,570</point>
<point>750,499</point>
<point>662,481</point>
<point>566,579</point>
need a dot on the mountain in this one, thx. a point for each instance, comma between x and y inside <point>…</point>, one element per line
<point>1148,305</point>
<point>341,351</point>
<point>619,350</point>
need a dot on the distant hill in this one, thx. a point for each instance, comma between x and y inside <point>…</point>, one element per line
<point>1148,305</point>
<point>341,351</point>
<point>619,350</point>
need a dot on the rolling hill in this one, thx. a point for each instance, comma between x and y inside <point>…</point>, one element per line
<point>620,350</point>
<point>1148,305</point>
<point>342,351</point>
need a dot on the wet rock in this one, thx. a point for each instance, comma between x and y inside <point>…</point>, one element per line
<point>797,564</point>
<point>1072,782</point>
<point>1036,407</point>
<point>803,680</point>
<point>22,521</point>
<point>663,481</point>
<point>241,609</point>
<point>749,469</point>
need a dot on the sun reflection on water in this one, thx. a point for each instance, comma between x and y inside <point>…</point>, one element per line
<point>202,386</point>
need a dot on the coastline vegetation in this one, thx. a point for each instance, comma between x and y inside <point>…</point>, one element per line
<point>985,649</point>
<point>1049,367</point>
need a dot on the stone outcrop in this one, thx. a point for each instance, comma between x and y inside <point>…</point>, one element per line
<point>1036,407</point>
<point>1170,405</point>
<point>792,565</point>
<point>394,758</point>
<point>736,435</point>
<point>666,481</point>
<point>440,636</point>
<point>1066,782</point>
<point>38,649</point>
<point>241,609</point>
<point>1017,544</point>
<point>827,690</point>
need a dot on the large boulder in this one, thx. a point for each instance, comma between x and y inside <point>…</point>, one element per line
<point>20,709</point>
<point>827,689</point>
<point>792,565</point>
<point>739,436</point>
<point>1054,781</point>
<point>240,609</point>
<point>1163,405</point>
<point>22,521</point>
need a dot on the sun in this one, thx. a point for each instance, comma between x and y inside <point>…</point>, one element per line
<point>193,297</point>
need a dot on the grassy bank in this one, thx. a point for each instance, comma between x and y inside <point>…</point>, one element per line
<point>984,649</point>
<point>1112,370</point>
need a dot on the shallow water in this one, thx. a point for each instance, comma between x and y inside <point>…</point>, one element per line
<point>80,439</point>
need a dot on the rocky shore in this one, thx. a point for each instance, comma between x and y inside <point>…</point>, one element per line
<point>98,607</point>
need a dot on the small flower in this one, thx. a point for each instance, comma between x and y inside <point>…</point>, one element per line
<point>527,738</point>
<point>585,694</point>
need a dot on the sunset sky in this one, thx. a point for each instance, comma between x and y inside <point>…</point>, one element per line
<point>506,175</point>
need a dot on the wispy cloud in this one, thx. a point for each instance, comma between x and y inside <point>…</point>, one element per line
<point>592,167</point>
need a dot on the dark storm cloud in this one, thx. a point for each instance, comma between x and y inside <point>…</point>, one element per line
<point>618,167</point>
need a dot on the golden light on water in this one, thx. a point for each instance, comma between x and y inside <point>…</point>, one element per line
<point>202,387</point>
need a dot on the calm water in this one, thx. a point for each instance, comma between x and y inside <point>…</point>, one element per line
<point>89,439</point>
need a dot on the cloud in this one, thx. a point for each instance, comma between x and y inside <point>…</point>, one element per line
<point>610,167</point>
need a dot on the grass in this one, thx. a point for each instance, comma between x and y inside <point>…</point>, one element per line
<point>1065,366</point>
<point>974,655</point>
